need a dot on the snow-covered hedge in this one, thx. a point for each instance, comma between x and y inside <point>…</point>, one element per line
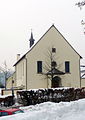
<point>33,97</point>
<point>6,101</point>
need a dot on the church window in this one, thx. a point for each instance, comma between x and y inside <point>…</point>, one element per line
<point>54,50</point>
<point>67,66</point>
<point>39,66</point>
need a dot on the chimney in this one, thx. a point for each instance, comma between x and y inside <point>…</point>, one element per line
<point>18,57</point>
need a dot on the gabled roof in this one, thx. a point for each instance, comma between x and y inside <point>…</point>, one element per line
<point>39,40</point>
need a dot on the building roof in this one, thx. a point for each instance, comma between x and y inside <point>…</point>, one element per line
<point>39,40</point>
<point>55,72</point>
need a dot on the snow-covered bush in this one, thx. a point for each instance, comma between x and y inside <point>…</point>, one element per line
<point>33,97</point>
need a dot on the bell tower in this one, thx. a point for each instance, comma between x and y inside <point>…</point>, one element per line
<point>31,40</point>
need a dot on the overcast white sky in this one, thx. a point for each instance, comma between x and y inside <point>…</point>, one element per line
<point>18,17</point>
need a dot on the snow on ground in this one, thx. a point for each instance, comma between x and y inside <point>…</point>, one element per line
<point>52,111</point>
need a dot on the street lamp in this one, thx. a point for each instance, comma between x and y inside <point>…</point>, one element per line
<point>12,87</point>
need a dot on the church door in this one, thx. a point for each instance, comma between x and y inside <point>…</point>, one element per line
<point>56,82</point>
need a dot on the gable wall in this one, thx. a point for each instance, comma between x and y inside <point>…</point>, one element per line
<point>21,73</point>
<point>9,81</point>
<point>64,52</point>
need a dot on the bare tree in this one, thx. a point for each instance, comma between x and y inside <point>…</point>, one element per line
<point>7,72</point>
<point>51,67</point>
<point>1,85</point>
<point>80,4</point>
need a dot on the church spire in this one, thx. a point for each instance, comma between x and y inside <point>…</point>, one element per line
<point>31,39</point>
<point>31,35</point>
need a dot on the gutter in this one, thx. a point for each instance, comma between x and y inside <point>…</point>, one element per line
<point>26,73</point>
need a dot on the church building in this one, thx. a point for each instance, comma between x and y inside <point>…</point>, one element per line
<point>51,62</point>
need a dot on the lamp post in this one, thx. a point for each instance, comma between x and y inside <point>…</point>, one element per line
<point>12,87</point>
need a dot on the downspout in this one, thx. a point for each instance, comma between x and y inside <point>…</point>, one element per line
<point>80,73</point>
<point>26,73</point>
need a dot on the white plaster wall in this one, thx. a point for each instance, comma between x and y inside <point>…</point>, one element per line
<point>21,73</point>
<point>82,82</point>
<point>64,52</point>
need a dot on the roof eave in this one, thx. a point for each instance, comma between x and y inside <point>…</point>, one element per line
<point>81,57</point>
<point>19,60</point>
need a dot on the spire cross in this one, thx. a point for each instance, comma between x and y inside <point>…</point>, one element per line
<point>31,30</point>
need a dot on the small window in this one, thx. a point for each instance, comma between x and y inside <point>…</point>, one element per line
<point>67,66</point>
<point>53,64</point>
<point>54,50</point>
<point>39,66</point>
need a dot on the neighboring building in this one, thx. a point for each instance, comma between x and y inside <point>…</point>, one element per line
<point>10,84</point>
<point>29,68</point>
<point>11,81</point>
<point>11,87</point>
<point>83,76</point>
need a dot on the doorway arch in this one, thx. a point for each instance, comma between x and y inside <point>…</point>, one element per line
<point>56,82</point>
